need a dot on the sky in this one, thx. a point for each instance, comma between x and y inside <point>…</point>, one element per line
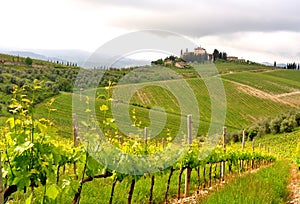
<point>257,30</point>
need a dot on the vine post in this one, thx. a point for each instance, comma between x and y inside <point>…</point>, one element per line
<point>189,141</point>
<point>243,147</point>
<point>253,142</point>
<point>243,140</point>
<point>224,147</point>
<point>146,134</point>
<point>75,138</point>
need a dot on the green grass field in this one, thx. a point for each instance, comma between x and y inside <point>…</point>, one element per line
<point>276,82</point>
<point>259,187</point>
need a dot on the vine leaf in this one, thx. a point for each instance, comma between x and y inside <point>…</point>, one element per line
<point>52,192</point>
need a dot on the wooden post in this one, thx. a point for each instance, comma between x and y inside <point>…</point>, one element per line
<point>243,147</point>
<point>224,138</point>
<point>243,140</point>
<point>146,133</point>
<point>259,146</point>
<point>75,138</point>
<point>224,147</point>
<point>163,142</point>
<point>75,129</point>
<point>253,141</point>
<point>189,140</point>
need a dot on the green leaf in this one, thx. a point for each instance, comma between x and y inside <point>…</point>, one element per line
<point>25,146</point>
<point>29,199</point>
<point>92,164</point>
<point>52,192</point>
<point>21,181</point>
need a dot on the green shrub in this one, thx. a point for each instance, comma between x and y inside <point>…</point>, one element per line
<point>28,61</point>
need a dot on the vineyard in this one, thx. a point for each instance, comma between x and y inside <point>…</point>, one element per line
<point>242,108</point>
<point>38,164</point>
<point>45,161</point>
<point>275,82</point>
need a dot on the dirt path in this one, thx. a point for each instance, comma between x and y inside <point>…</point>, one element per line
<point>261,94</point>
<point>294,186</point>
<point>289,94</point>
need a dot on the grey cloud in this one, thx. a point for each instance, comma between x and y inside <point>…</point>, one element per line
<point>196,18</point>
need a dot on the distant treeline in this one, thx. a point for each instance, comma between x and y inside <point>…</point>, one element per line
<point>283,123</point>
<point>292,65</point>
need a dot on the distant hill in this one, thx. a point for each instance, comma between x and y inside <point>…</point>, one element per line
<point>75,56</point>
<point>281,65</point>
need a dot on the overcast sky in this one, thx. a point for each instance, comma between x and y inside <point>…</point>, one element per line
<point>257,30</point>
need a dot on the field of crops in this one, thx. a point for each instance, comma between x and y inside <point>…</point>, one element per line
<point>242,108</point>
<point>276,82</point>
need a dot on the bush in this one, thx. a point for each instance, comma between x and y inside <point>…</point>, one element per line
<point>28,61</point>
<point>64,85</point>
<point>236,136</point>
<point>284,123</point>
<point>253,131</point>
<point>275,125</point>
<point>285,126</point>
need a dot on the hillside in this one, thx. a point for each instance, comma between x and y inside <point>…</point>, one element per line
<point>253,91</point>
<point>56,163</point>
<point>266,93</point>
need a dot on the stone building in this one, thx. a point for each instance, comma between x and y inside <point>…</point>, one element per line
<point>199,55</point>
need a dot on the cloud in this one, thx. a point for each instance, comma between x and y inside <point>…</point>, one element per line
<point>256,46</point>
<point>198,19</point>
<point>270,26</point>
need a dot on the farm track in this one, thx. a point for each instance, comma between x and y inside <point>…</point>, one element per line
<point>264,95</point>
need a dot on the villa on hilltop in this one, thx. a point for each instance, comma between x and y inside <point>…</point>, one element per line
<point>199,55</point>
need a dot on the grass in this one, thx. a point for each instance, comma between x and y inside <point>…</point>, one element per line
<point>274,83</point>
<point>229,67</point>
<point>268,185</point>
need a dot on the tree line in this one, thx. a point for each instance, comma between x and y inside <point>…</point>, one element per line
<point>292,65</point>
<point>219,55</point>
